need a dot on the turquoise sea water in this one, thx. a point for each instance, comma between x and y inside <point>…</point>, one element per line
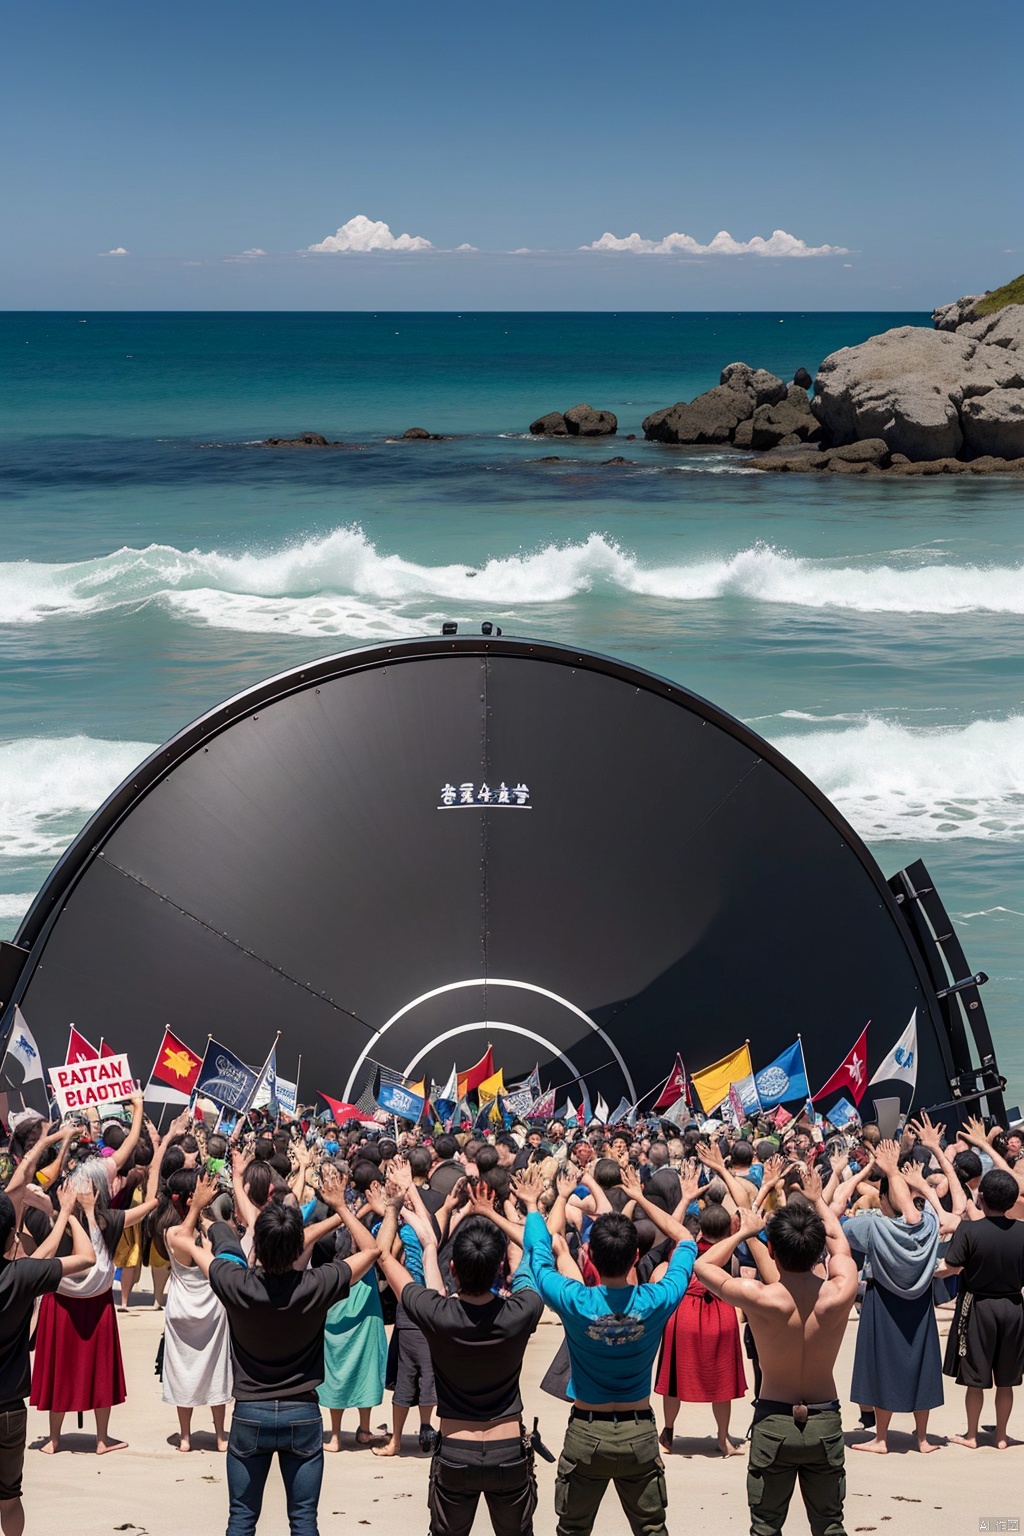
<point>154,560</point>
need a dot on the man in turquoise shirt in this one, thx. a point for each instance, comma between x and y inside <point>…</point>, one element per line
<point>613,1330</point>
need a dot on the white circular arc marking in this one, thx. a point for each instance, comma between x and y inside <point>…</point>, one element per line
<point>515,1029</point>
<point>491,981</point>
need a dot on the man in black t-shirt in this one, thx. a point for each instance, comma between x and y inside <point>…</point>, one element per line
<point>21,1281</point>
<point>276,1316</point>
<point>477,1341</point>
<point>986,1341</point>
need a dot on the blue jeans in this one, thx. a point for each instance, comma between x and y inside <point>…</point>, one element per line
<point>294,1430</point>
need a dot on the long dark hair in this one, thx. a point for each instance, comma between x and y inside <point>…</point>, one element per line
<point>175,1198</point>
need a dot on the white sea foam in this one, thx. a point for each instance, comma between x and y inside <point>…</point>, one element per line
<point>49,786</point>
<point>14,904</point>
<point>922,784</point>
<point>341,584</point>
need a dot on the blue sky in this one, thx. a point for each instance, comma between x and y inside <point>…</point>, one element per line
<point>188,135</point>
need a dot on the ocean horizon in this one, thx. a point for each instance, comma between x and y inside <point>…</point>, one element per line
<point>157,559</point>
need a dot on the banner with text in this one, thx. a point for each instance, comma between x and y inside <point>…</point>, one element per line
<point>92,1084</point>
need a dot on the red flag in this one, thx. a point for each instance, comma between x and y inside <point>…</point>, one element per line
<point>105,1049</point>
<point>341,1110</point>
<point>675,1088</point>
<point>175,1064</point>
<point>852,1076</point>
<point>79,1048</point>
<point>478,1074</point>
<point>781,1117</point>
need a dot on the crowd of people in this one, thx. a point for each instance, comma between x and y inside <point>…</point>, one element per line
<point>689,1255</point>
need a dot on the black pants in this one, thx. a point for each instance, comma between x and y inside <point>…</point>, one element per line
<point>501,1470</point>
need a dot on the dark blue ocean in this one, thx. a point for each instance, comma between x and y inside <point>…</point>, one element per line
<point>156,560</point>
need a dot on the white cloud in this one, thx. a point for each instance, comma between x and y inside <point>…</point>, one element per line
<point>467,247</point>
<point>779,243</point>
<point>118,250</point>
<point>363,234</point>
<point>256,251</point>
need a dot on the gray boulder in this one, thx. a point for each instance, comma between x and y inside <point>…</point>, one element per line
<point>993,423</point>
<point>949,316</point>
<point>906,386</point>
<point>802,378</point>
<point>765,387</point>
<point>584,421</point>
<point>772,425</point>
<point>1003,329</point>
<point>710,418</point>
<point>551,425</point>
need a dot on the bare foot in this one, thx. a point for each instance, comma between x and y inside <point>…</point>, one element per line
<point>104,1447</point>
<point>184,1443</point>
<point>222,1443</point>
<point>665,1439</point>
<point>332,1443</point>
<point>924,1446</point>
<point>970,1441</point>
<point>393,1448</point>
<point>1004,1442</point>
<point>728,1449</point>
<point>876,1447</point>
<point>50,1447</point>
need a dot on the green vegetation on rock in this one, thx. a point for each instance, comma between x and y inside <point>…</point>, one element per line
<point>1009,293</point>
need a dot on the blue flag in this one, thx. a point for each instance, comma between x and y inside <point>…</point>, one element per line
<point>841,1113</point>
<point>226,1079</point>
<point>783,1079</point>
<point>400,1101</point>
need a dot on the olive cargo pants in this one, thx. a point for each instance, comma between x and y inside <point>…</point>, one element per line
<point>596,1454</point>
<point>780,1452</point>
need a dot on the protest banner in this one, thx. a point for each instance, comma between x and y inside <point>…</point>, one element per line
<point>92,1084</point>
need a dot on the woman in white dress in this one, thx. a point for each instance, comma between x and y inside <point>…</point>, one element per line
<point>197,1345</point>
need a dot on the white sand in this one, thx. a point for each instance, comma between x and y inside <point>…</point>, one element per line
<point>152,1488</point>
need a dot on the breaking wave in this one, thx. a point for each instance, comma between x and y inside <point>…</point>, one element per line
<point>341,584</point>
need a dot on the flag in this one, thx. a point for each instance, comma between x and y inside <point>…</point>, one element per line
<point>105,1049</point>
<point>488,1090</point>
<point>516,1105</point>
<point>287,1095</point>
<point>841,1114</point>
<point>737,1111</point>
<point>342,1111</point>
<point>225,1078</point>
<point>265,1096</point>
<point>569,1112</point>
<point>900,1066</point>
<point>781,1117</point>
<point>530,1085</point>
<point>450,1091</point>
<point>601,1110</point>
<point>79,1048</point>
<point>463,1112</point>
<point>677,1114</point>
<point>398,1100</point>
<point>784,1078</point>
<point>22,1065</point>
<point>712,1084</point>
<point>675,1088</point>
<point>852,1075</point>
<point>468,1081</point>
<point>746,1090</point>
<point>543,1107</point>
<point>620,1113</point>
<point>175,1065</point>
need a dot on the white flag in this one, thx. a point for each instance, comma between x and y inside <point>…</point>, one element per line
<point>900,1066</point>
<point>22,1048</point>
<point>449,1094</point>
<point>601,1110</point>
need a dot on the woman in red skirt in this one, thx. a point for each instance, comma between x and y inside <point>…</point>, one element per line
<point>701,1357</point>
<point>78,1365</point>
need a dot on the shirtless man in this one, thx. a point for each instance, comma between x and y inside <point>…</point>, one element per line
<point>798,1313</point>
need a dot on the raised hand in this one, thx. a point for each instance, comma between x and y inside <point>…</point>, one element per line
<point>205,1191</point>
<point>752,1222</point>
<point>565,1182</point>
<point>86,1198</point>
<point>711,1157</point>
<point>773,1171</point>
<point>631,1184</point>
<point>481,1198</point>
<point>928,1134</point>
<point>887,1158</point>
<point>810,1178</point>
<point>689,1181</point>
<point>974,1131</point>
<point>400,1174</point>
<point>67,1199</point>
<point>454,1195</point>
<point>528,1184</point>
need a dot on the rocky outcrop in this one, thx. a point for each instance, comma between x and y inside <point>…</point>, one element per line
<point>578,421</point>
<point>908,386</point>
<point>1003,329</point>
<point>948,316</point>
<point>419,435</point>
<point>725,414</point>
<point>868,458</point>
<point>993,423</point>
<point>304,440</point>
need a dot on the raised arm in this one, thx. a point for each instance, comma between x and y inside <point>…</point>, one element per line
<point>665,1224</point>
<point>123,1155</point>
<point>900,1198</point>
<point>844,1193</point>
<point>712,1267</point>
<point>842,1271</point>
<point>365,1250</point>
<point>930,1135</point>
<point>741,1190</point>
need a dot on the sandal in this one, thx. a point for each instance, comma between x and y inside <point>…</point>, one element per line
<point>365,1437</point>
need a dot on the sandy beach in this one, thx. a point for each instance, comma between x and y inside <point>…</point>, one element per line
<point>149,1488</point>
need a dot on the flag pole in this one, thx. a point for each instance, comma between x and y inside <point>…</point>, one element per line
<point>298,1074</point>
<point>803,1063</point>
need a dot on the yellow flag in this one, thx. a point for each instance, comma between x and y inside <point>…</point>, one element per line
<point>490,1088</point>
<point>420,1087</point>
<point>712,1084</point>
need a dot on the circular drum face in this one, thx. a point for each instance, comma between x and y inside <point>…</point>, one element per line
<point>400,856</point>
